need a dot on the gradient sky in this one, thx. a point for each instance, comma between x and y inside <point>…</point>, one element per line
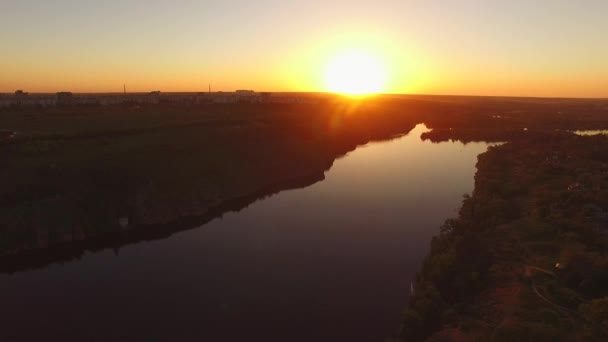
<point>485,47</point>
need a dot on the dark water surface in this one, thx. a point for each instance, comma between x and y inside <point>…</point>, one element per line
<point>330,262</point>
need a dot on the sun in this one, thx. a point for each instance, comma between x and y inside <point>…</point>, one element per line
<point>355,73</point>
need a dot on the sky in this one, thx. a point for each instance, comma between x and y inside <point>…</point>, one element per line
<point>468,47</point>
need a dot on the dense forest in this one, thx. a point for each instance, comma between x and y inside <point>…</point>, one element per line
<point>74,175</point>
<point>527,257</point>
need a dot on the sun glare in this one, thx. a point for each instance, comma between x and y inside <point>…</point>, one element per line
<point>355,73</point>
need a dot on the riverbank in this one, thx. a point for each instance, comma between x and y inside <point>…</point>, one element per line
<point>77,175</point>
<point>339,250</point>
<point>81,179</point>
<point>73,174</point>
<point>526,257</point>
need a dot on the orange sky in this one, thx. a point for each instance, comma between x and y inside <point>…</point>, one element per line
<point>517,48</point>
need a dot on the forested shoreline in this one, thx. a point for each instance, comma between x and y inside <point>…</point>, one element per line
<point>526,259</point>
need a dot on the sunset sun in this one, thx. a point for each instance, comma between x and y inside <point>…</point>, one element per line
<point>355,73</point>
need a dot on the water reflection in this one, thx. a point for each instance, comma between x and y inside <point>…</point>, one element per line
<point>591,132</point>
<point>330,262</point>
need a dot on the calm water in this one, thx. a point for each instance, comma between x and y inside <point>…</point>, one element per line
<point>592,132</point>
<point>330,262</point>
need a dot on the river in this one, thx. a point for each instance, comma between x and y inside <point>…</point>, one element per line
<point>329,262</point>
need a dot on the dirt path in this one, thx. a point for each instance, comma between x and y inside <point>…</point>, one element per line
<point>569,314</point>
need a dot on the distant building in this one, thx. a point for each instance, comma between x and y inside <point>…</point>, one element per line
<point>5,101</point>
<point>201,98</point>
<point>23,99</point>
<point>154,97</point>
<point>64,98</point>
<point>20,97</point>
<point>265,97</point>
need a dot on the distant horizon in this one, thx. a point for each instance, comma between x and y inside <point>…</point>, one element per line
<point>298,92</point>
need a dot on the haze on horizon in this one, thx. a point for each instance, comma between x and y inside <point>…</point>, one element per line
<point>475,47</point>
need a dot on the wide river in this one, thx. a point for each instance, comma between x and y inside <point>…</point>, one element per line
<point>329,262</point>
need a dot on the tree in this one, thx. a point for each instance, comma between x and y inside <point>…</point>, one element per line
<point>596,311</point>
